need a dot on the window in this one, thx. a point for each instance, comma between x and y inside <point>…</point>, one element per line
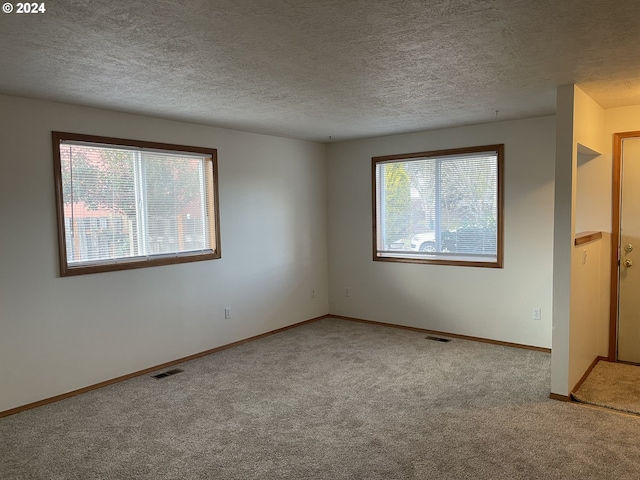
<point>442,207</point>
<point>128,204</point>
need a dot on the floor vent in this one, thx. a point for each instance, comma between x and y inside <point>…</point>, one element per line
<point>168,373</point>
<point>438,339</point>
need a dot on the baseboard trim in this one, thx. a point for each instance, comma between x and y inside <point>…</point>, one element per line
<point>586,373</point>
<point>452,335</point>
<point>569,398</point>
<point>145,371</point>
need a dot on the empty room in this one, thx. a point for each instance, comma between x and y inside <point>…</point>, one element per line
<point>316,239</point>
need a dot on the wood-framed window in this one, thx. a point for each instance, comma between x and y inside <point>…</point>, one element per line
<point>125,204</point>
<point>442,207</point>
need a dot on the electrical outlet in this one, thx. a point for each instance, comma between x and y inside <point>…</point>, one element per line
<point>537,314</point>
<point>347,292</point>
<point>227,313</point>
<point>313,294</point>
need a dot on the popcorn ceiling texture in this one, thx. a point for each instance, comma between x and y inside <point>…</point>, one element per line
<point>313,68</point>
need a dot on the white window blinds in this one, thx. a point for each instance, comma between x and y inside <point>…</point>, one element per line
<point>440,207</point>
<point>122,203</point>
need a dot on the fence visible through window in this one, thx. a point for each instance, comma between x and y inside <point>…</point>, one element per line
<point>124,203</point>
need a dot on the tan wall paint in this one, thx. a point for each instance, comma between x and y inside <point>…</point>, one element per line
<point>587,332</point>
<point>589,318</point>
<point>593,213</point>
<point>623,119</point>
<point>580,289</point>
<point>587,324</point>
<point>593,196</point>
<point>589,121</point>
<point>605,294</point>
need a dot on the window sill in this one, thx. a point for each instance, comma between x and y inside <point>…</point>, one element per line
<point>489,261</point>
<point>138,262</point>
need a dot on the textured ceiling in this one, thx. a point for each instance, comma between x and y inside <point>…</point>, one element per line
<point>311,69</point>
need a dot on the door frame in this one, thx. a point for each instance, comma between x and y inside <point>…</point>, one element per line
<point>616,200</point>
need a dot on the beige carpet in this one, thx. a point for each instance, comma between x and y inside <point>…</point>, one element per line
<point>329,400</point>
<point>612,385</point>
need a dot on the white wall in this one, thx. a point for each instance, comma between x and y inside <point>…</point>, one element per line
<point>563,233</point>
<point>60,334</point>
<point>482,302</point>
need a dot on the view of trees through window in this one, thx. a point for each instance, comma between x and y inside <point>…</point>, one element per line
<point>123,202</point>
<point>438,206</point>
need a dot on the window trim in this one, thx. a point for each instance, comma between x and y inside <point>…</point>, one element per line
<point>499,150</point>
<point>134,262</point>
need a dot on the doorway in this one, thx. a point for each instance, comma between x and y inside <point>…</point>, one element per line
<point>624,339</point>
